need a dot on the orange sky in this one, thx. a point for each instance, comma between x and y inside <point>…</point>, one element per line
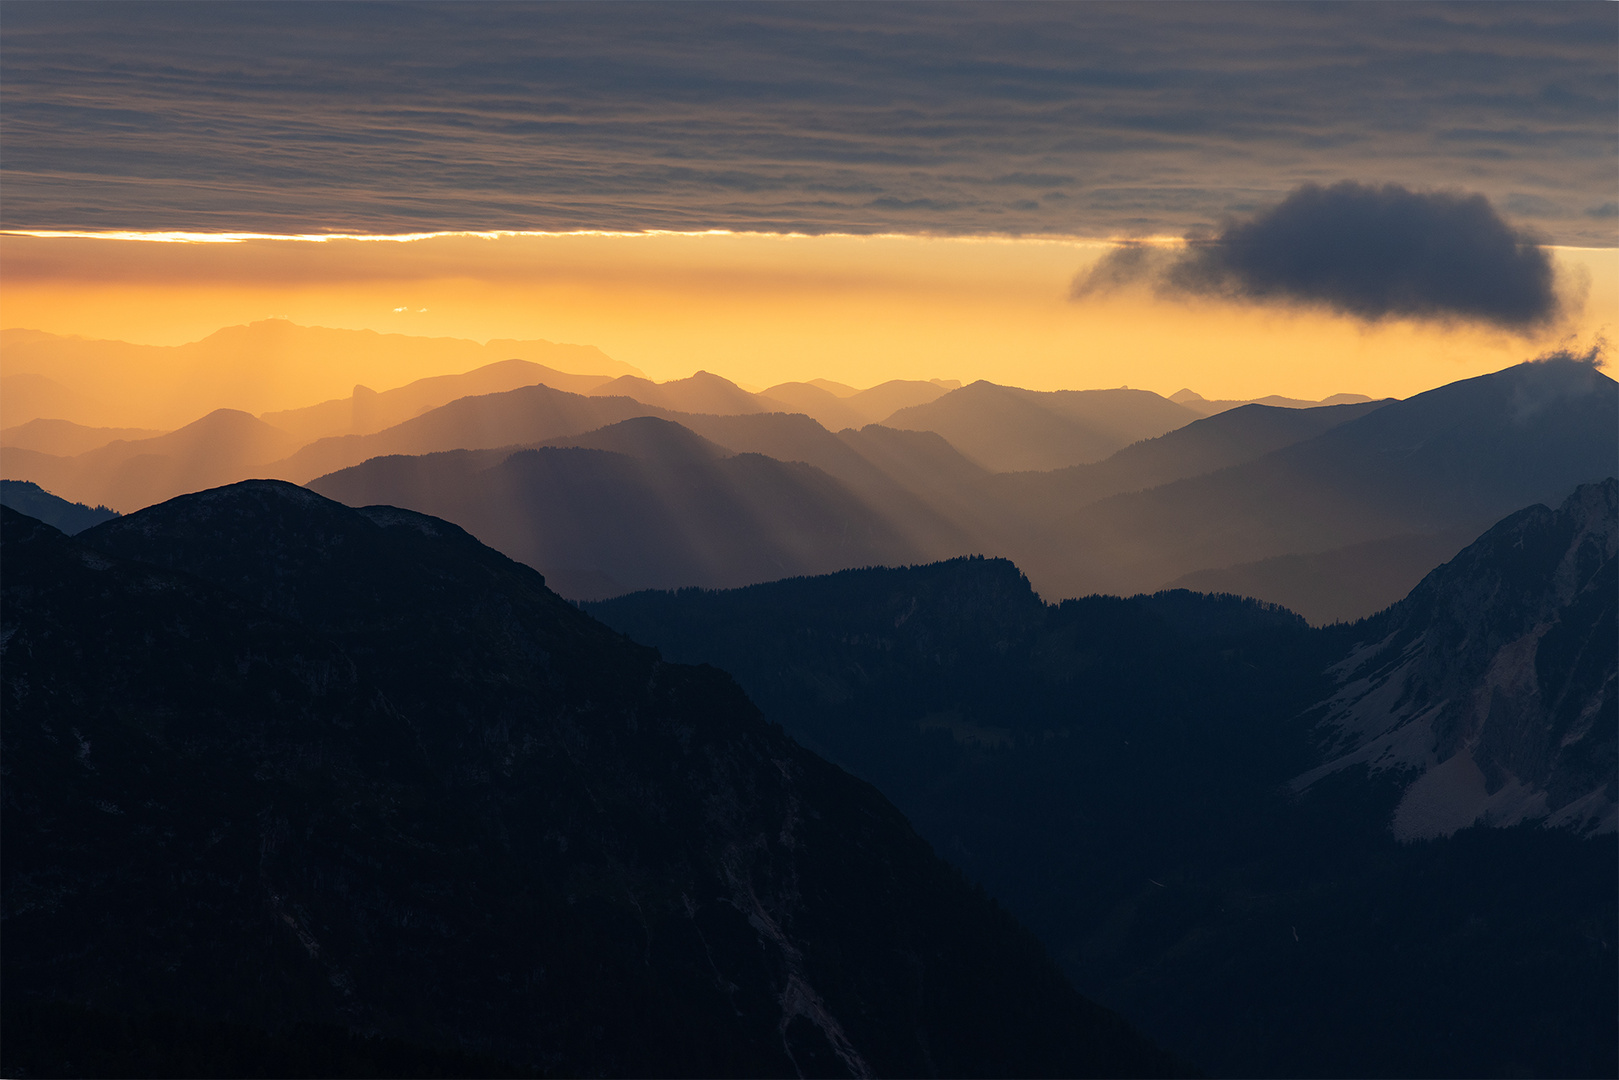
<point>761,308</point>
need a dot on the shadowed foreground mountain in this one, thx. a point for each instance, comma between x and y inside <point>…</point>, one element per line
<point>1495,684</point>
<point>1116,771</point>
<point>272,761</point>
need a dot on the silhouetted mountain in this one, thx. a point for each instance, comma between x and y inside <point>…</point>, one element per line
<point>913,480</point>
<point>1456,458</point>
<point>701,393</point>
<point>826,408</point>
<point>63,438</point>
<point>36,502</point>
<point>1203,446</point>
<point>1204,407</point>
<point>264,366</point>
<point>1115,771</point>
<point>663,508</point>
<point>879,402</point>
<point>1006,429</point>
<point>222,447</point>
<point>366,411</point>
<point>836,406</point>
<point>530,414</point>
<point>1493,689</point>
<point>271,761</point>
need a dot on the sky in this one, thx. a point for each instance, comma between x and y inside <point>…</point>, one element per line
<point>854,192</point>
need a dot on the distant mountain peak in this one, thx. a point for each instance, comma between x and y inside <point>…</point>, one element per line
<point>1493,685</point>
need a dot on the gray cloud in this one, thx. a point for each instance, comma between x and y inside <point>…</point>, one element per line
<point>1364,251</point>
<point>1375,252</point>
<point>1148,118</point>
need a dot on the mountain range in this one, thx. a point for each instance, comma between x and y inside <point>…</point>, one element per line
<point>1286,851</point>
<point>273,762</point>
<point>1367,497</point>
<point>1279,723</point>
<point>1334,510</point>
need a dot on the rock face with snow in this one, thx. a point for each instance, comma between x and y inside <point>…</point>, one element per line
<point>1493,684</point>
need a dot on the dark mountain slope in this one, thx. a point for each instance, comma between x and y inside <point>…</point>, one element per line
<point>353,767</point>
<point>1116,772</point>
<point>1492,688</point>
<point>36,502</point>
<point>666,509</point>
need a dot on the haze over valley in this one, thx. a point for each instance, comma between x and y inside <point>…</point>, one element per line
<point>609,484</point>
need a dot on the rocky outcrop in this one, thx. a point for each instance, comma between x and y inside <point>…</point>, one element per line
<point>1491,688</point>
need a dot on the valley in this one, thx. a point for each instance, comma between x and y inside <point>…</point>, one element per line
<point>1160,693</point>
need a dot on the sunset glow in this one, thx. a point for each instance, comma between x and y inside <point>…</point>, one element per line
<point>763,308</point>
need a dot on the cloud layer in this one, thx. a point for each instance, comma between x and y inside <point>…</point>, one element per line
<point>1090,119</point>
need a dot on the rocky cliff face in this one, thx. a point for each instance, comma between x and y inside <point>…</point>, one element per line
<point>268,759</point>
<point>1491,688</point>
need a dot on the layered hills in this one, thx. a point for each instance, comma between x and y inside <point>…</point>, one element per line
<point>127,474</point>
<point>1332,510</point>
<point>1365,497</point>
<point>63,438</point>
<point>1116,771</point>
<point>1446,462</point>
<point>644,503</point>
<point>1007,429</point>
<point>365,410</point>
<point>1202,405</point>
<point>273,760</point>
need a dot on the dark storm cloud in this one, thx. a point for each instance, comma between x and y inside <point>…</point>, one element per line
<point>1375,252</point>
<point>862,118</point>
<point>1364,251</point>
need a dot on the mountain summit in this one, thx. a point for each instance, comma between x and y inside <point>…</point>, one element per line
<point>273,760</point>
<point>1492,686</point>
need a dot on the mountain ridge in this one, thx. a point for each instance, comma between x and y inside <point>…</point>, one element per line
<point>420,794</point>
